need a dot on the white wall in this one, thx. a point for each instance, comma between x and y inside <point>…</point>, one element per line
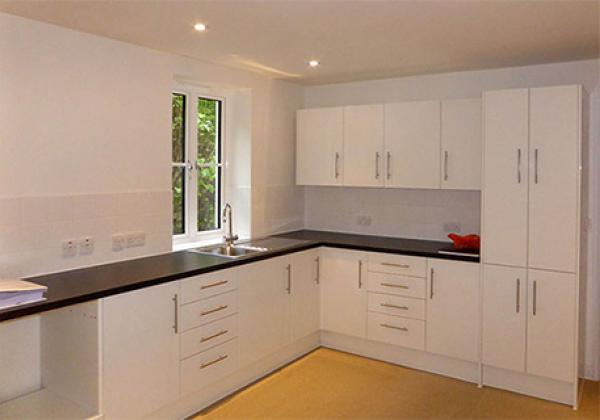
<point>85,150</point>
<point>422,214</point>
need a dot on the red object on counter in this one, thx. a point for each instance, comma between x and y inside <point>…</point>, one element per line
<point>465,242</point>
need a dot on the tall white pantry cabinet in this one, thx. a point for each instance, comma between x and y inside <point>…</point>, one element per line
<point>531,239</point>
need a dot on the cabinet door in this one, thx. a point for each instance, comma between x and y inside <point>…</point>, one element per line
<point>305,293</point>
<point>263,309</point>
<point>555,124</point>
<point>319,144</point>
<point>140,352</point>
<point>504,317</point>
<point>461,144</point>
<point>344,298</point>
<point>551,325</point>
<point>363,145</point>
<point>453,309</point>
<point>506,126</point>
<point>412,143</point>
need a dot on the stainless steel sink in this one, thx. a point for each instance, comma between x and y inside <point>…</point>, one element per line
<point>248,248</point>
<point>232,251</point>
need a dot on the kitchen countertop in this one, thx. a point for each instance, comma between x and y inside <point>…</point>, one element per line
<point>85,284</point>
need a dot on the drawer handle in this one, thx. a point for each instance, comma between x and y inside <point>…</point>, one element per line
<point>210,311</point>
<point>212,362</point>
<point>395,265</point>
<point>399,286</point>
<point>219,283</point>
<point>390,305</point>
<point>393,327</point>
<point>210,337</point>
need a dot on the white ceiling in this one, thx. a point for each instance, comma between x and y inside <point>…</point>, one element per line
<point>354,40</point>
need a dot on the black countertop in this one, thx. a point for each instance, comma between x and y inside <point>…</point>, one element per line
<point>85,284</point>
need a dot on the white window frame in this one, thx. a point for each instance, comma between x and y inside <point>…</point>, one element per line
<point>191,235</point>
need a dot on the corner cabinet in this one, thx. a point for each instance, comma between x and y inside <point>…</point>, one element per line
<point>319,146</point>
<point>140,348</point>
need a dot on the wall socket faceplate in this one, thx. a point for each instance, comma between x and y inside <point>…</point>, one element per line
<point>451,227</point>
<point>69,248</point>
<point>86,245</point>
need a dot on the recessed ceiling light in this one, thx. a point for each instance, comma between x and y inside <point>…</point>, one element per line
<point>314,63</point>
<point>200,27</point>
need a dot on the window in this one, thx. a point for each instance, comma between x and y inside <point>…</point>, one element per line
<point>197,166</point>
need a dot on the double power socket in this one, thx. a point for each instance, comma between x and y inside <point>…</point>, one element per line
<point>85,245</point>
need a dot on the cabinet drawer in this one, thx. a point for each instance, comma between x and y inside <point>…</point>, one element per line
<point>397,305</point>
<point>207,285</point>
<point>207,367</point>
<point>397,285</point>
<point>206,336</point>
<point>395,330</point>
<point>398,264</point>
<point>208,310</point>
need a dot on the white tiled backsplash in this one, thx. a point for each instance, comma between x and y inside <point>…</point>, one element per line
<point>391,212</point>
<point>32,229</point>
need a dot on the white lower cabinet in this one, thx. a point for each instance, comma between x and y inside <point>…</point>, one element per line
<point>264,309</point>
<point>305,300</point>
<point>453,309</point>
<point>344,298</point>
<point>140,348</point>
<point>504,317</point>
<point>551,325</point>
<point>528,321</point>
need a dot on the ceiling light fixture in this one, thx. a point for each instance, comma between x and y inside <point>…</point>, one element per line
<point>314,63</point>
<point>200,27</point>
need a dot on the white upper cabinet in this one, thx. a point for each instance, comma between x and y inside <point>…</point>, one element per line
<point>344,297</point>
<point>555,123</point>
<point>319,146</point>
<point>505,177</point>
<point>461,144</point>
<point>504,317</point>
<point>412,144</point>
<point>305,293</point>
<point>140,347</point>
<point>363,145</point>
<point>551,325</point>
<point>453,309</point>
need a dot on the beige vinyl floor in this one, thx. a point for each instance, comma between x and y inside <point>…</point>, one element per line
<point>332,384</point>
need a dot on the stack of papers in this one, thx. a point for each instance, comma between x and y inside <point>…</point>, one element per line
<point>15,292</point>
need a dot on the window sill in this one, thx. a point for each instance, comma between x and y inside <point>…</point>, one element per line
<point>182,246</point>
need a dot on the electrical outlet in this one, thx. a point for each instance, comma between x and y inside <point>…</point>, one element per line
<point>69,248</point>
<point>452,227</point>
<point>135,239</point>
<point>119,242</point>
<point>86,245</point>
<point>364,220</point>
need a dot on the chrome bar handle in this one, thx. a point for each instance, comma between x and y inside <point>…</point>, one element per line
<point>431,284</point>
<point>518,295</point>
<point>217,309</point>
<point>395,265</point>
<point>318,263</point>
<point>176,313</point>
<point>337,161</point>
<point>518,166</point>
<point>212,362</point>
<point>534,297</point>
<point>210,337</point>
<point>399,286</point>
<point>445,165</point>
<point>535,154</point>
<point>289,278</point>
<point>218,283</point>
<point>390,305</point>
<point>376,165</point>
<point>388,165</point>
<point>360,263</point>
<point>394,327</point>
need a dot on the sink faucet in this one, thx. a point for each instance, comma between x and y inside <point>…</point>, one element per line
<point>229,237</point>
